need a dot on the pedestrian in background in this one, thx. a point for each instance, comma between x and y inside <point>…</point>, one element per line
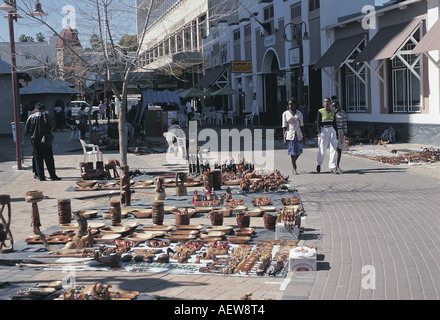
<point>82,119</point>
<point>102,109</point>
<point>293,132</point>
<point>341,125</point>
<point>327,136</point>
<point>40,131</point>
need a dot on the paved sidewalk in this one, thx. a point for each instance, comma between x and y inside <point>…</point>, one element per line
<point>373,220</point>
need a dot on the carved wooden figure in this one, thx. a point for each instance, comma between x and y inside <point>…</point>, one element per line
<point>160,190</point>
<point>112,165</point>
<point>5,225</point>
<point>181,189</point>
<point>125,187</point>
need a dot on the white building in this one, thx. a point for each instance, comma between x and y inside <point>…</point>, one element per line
<point>173,42</point>
<point>360,51</point>
<point>262,55</point>
<point>379,64</point>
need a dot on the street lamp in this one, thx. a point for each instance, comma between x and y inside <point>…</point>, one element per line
<point>299,36</point>
<point>11,8</point>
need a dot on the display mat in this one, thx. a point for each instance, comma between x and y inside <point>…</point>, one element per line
<point>260,257</point>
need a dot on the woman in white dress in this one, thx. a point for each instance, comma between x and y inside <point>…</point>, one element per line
<point>293,132</point>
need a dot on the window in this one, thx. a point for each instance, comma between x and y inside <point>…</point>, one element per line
<point>179,41</point>
<point>247,31</point>
<point>295,11</point>
<point>314,5</point>
<point>355,93</point>
<point>406,75</point>
<point>237,35</point>
<point>268,19</point>
<point>268,13</point>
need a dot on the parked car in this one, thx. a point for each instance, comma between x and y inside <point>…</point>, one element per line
<point>76,106</point>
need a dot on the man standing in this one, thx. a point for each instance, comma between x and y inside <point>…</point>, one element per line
<point>38,126</point>
<point>102,109</point>
<point>327,136</point>
<point>189,110</point>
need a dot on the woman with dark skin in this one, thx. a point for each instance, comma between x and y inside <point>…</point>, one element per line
<point>293,132</point>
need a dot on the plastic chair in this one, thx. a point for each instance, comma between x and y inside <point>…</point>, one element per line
<point>250,117</point>
<point>219,118</point>
<point>93,152</point>
<point>183,120</point>
<point>176,144</point>
<point>231,116</point>
<point>198,118</point>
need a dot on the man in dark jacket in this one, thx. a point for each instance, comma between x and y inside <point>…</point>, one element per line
<point>38,126</point>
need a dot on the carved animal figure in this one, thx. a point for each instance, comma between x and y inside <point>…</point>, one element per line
<point>112,165</point>
<point>160,190</point>
<point>181,189</point>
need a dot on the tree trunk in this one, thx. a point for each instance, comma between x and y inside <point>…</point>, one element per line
<point>122,125</point>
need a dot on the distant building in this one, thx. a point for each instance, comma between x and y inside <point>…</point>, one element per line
<point>68,53</point>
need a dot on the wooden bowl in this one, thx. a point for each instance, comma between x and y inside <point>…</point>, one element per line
<point>254,212</point>
<point>145,235</point>
<point>89,214</point>
<point>180,237</point>
<point>267,208</point>
<point>241,232</point>
<point>239,239</point>
<point>225,229</point>
<point>184,232</point>
<point>190,227</point>
<point>157,228</point>
<point>34,195</point>
<point>212,233</point>
<point>115,229</point>
<point>142,213</point>
<point>106,238</point>
<point>86,183</point>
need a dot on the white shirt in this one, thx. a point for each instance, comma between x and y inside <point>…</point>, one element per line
<point>293,124</point>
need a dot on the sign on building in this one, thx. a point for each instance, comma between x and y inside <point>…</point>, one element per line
<point>241,66</point>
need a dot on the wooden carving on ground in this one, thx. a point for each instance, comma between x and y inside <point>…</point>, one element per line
<point>125,186</point>
<point>5,224</point>
<point>83,237</point>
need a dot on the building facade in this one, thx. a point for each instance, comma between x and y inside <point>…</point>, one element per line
<point>174,33</point>
<point>371,60</point>
<point>368,53</point>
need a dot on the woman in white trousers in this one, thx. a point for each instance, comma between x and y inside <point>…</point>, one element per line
<point>327,136</point>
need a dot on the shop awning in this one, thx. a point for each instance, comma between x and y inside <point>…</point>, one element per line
<point>155,97</point>
<point>339,51</point>
<point>431,40</point>
<point>211,76</point>
<point>387,41</point>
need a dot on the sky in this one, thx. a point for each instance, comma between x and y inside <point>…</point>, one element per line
<point>62,12</point>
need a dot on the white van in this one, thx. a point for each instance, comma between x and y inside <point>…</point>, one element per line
<point>76,106</point>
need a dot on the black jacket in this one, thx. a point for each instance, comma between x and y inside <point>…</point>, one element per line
<point>37,125</point>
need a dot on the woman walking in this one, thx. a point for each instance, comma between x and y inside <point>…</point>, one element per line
<point>341,124</point>
<point>293,132</point>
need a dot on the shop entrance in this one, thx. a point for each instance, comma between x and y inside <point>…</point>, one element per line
<point>274,91</point>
